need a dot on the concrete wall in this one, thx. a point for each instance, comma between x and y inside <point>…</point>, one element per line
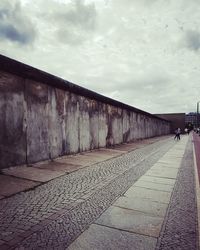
<point>177,120</point>
<point>43,117</point>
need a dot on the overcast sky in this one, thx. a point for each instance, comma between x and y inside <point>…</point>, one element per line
<point>145,53</point>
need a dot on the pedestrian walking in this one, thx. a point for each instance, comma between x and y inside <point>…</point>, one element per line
<point>177,134</point>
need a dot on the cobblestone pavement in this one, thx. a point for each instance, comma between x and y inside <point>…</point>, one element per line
<point>51,216</point>
<point>180,228</point>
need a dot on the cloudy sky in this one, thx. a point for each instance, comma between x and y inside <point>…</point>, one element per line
<point>145,53</point>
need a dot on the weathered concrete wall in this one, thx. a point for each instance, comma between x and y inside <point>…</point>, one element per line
<point>177,120</point>
<point>43,117</point>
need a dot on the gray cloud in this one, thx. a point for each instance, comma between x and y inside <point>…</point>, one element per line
<point>14,25</point>
<point>81,15</point>
<point>75,21</point>
<point>152,84</point>
<point>117,48</point>
<point>192,39</point>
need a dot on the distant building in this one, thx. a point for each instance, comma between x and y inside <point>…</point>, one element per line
<point>177,120</point>
<point>191,120</point>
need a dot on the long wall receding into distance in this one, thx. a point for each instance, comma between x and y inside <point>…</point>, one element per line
<point>43,117</point>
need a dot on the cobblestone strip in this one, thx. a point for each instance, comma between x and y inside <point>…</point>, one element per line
<point>20,214</point>
<point>60,233</point>
<point>180,228</point>
<point>24,210</point>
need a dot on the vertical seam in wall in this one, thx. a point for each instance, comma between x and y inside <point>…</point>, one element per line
<point>122,126</point>
<point>48,112</point>
<point>26,120</point>
<point>78,107</point>
<point>98,124</point>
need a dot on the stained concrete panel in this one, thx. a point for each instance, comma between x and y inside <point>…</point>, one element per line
<point>103,124</point>
<point>142,205</point>
<point>12,120</point>
<point>37,121</point>
<point>132,221</point>
<point>101,238</point>
<point>31,173</point>
<point>126,125</point>
<point>84,124</point>
<point>139,123</point>
<point>11,185</point>
<point>134,126</point>
<point>57,138</point>
<point>111,112</point>
<point>72,123</point>
<point>94,124</point>
<point>153,195</point>
<point>117,126</point>
<point>142,127</point>
<point>160,180</point>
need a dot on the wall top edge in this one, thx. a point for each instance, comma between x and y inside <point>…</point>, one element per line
<point>171,114</point>
<point>23,70</point>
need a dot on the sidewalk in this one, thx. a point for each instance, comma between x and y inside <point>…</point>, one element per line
<point>135,196</point>
<point>138,218</point>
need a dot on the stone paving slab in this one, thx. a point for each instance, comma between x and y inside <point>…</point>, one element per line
<point>145,206</point>
<point>165,169</point>
<point>160,180</point>
<point>154,186</point>
<point>131,221</point>
<point>170,161</point>
<point>101,238</point>
<point>10,185</point>
<point>57,166</point>
<point>166,173</point>
<point>99,155</point>
<point>173,155</point>
<point>96,157</point>
<point>30,173</point>
<point>76,160</point>
<point>153,195</point>
<point>166,165</point>
<point>112,152</point>
<point>127,147</point>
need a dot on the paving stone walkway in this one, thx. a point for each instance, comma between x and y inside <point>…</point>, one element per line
<point>127,202</point>
<point>157,212</point>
